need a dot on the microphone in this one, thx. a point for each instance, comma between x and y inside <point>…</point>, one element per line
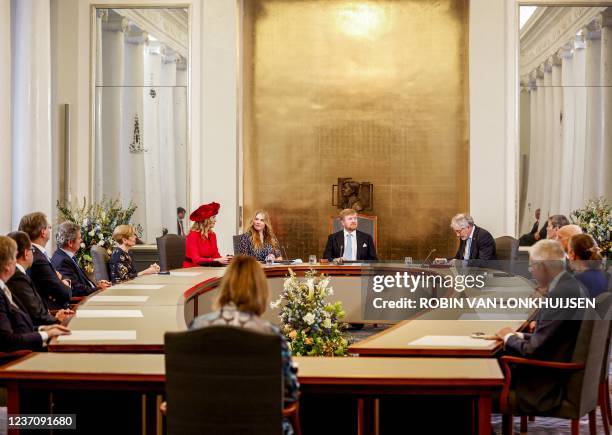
<point>428,255</point>
<point>284,252</point>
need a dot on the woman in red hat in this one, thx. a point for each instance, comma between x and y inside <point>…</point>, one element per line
<point>201,243</point>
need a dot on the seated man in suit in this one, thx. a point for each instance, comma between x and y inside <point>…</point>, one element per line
<point>534,235</point>
<point>16,328</point>
<point>350,244</point>
<point>555,222</point>
<point>23,288</point>
<point>56,291</point>
<point>64,260</point>
<point>476,246</point>
<point>555,334</point>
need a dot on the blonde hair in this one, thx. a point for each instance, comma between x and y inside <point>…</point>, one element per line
<point>123,232</point>
<point>8,251</point>
<point>346,212</point>
<point>204,227</point>
<point>268,232</point>
<point>245,285</point>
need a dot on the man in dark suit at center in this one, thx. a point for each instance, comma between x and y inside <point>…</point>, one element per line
<point>476,246</point>
<point>350,244</point>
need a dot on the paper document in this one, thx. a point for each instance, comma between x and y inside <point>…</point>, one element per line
<point>458,341</point>
<point>104,314</point>
<point>185,273</point>
<point>138,286</point>
<point>98,335</point>
<point>102,298</point>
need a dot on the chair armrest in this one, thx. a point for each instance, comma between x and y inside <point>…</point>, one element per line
<point>292,413</point>
<point>293,408</point>
<point>506,361</point>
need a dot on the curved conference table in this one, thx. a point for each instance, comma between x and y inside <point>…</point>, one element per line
<point>118,339</point>
<point>157,304</point>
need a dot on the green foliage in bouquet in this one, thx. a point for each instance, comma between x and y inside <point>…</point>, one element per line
<point>97,221</point>
<point>596,219</point>
<point>311,325</point>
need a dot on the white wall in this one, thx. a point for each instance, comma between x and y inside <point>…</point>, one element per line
<point>5,117</point>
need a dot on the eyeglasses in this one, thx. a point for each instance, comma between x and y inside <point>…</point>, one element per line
<point>32,249</point>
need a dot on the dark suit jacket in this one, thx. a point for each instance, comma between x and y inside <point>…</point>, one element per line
<point>23,288</point>
<point>482,251</point>
<point>365,246</point>
<point>554,339</point>
<point>16,329</point>
<point>81,284</point>
<point>51,288</point>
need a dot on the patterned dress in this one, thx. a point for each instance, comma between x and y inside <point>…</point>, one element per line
<point>246,247</point>
<point>121,266</point>
<point>229,315</point>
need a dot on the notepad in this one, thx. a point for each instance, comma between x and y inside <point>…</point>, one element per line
<point>458,341</point>
<point>99,335</point>
<point>102,298</point>
<point>138,286</point>
<point>107,314</point>
<point>185,273</point>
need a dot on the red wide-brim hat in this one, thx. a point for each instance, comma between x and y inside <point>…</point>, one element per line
<point>204,212</point>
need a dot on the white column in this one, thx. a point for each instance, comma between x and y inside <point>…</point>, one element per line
<point>5,117</point>
<point>569,105</point>
<point>150,135</point>
<point>557,140</point>
<point>577,192</point>
<point>31,104</point>
<point>539,144</point>
<point>180,132</point>
<point>546,162</point>
<point>606,82</point>
<point>110,94</point>
<point>531,196</point>
<point>167,144</point>
<point>98,188</point>
<point>593,155</point>
<point>132,161</point>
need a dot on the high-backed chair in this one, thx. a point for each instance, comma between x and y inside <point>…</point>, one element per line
<point>236,241</point>
<point>171,249</point>
<point>367,224</point>
<point>100,262</point>
<point>506,248</point>
<point>223,380</point>
<point>581,376</point>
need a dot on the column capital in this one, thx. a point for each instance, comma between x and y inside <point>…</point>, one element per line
<point>593,30</point>
<point>578,42</point>
<point>114,23</point>
<point>606,18</point>
<point>102,13</point>
<point>181,63</point>
<point>155,48</point>
<point>566,51</point>
<point>135,35</point>
<point>169,56</point>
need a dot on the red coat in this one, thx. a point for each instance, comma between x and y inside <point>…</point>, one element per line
<point>199,249</point>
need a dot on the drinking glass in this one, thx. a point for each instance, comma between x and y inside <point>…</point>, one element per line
<point>312,260</point>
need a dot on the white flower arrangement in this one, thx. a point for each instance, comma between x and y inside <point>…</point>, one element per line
<point>596,219</point>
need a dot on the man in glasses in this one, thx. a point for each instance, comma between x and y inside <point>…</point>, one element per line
<point>476,245</point>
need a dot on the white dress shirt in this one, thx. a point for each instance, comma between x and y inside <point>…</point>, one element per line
<point>353,245</point>
<point>468,244</point>
<point>43,250</point>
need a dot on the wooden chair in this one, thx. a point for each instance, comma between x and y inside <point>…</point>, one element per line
<point>584,372</point>
<point>236,242</point>
<point>171,249</point>
<point>225,380</point>
<point>367,224</point>
<point>100,260</point>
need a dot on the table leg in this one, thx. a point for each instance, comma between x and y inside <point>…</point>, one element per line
<point>12,404</point>
<point>367,416</point>
<point>484,415</point>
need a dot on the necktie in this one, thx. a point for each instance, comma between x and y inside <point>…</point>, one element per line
<point>468,246</point>
<point>348,249</point>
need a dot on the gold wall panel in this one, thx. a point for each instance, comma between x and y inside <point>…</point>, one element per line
<point>373,90</point>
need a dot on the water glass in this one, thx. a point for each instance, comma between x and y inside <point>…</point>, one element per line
<point>312,260</point>
<point>269,260</point>
<point>408,261</point>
